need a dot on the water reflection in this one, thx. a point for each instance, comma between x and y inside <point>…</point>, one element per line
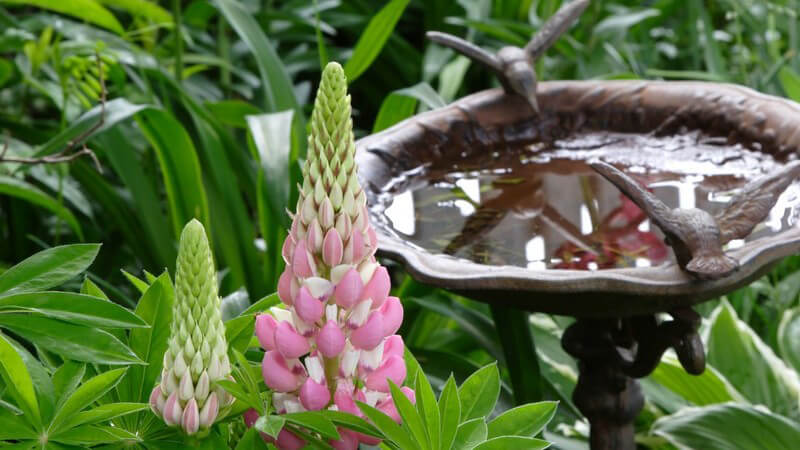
<point>546,209</point>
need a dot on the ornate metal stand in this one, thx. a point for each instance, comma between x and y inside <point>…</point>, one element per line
<point>612,353</point>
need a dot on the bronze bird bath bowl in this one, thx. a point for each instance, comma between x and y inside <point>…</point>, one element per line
<point>494,197</point>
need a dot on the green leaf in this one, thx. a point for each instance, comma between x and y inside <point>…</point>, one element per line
<point>42,383</point>
<point>73,341</point>
<point>238,332</point>
<point>450,413</point>
<point>88,435</point>
<point>520,352</point>
<point>48,268</point>
<point>272,137</point>
<point>251,441</point>
<point>428,409</point>
<point>411,419</point>
<point>179,166</point>
<point>232,112</point>
<point>14,426</point>
<point>750,365</point>
<point>66,379</point>
<point>271,425</point>
<point>526,420</point>
<point>515,442</point>
<point>141,8</point>
<point>789,337</point>
<point>18,381</point>
<point>373,38</point>
<point>620,23</point>
<point>729,426</point>
<point>116,111</point>
<point>150,344</point>
<point>30,193</point>
<point>479,393</point>
<point>351,422</point>
<point>87,10</point>
<point>239,393</point>
<point>138,283</point>
<point>314,422</point>
<point>88,287</point>
<point>790,82</point>
<point>395,108</point>
<point>84,396</point>
<point>102,413</point>
<point>470,434</point>
<point>705,389</point>
<point>388,427</point>
<point>262,305</point>
<point>75,308</point>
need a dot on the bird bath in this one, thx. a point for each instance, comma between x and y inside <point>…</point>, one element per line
<point>493,197</point>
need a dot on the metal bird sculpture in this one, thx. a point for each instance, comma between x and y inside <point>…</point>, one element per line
<point>513,65</point>
<point>696,236</point>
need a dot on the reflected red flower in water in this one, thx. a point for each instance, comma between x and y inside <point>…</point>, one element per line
<point>617,243</point>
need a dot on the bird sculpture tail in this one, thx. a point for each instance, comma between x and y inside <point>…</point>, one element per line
<point>708,267</point>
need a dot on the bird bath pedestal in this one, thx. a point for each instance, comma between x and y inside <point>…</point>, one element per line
<point>494,201</point>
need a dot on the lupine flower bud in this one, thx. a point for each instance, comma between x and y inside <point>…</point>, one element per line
<point>334,342</point>
<point>197,354</point>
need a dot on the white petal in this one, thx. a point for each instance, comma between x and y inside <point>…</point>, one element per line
<point>315,370</point>
<point>332,312</point>
<point>349,360</point>
<point>282,315</point>
<point>373,397</point>
<point>366,269</point>
<point>338,272</point>
<point>360,313</point>
<point>293,406</point>
<point>372,359</point>
<point>318,287</point>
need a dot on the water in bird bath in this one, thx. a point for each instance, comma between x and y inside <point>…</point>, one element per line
<point>543,207</point>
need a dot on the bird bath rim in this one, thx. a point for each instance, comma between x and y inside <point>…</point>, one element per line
<point>491,119</point>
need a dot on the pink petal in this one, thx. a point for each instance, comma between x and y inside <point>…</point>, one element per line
<point>287,250</point>
<point>265,331</point>
<point>314,396</point>
<point>388,407</point>
<point>392,311</point>
<point>393,345</point>
<point>349,440</point>
<point>172,410</point>
<point>191,417</point>
<point>373,240</point>
<point>332,248</point>
<point>250,417</point>
<point>210,410</point>
<point>344,401</point>
<point>301,261</point>
<point>359,250</point>
<point>289,441</point>
<point>368,440</point>
<point>378,287</point>
<point>289,342</point>
<point>330,340</point>
<point>314,236</point>
<point>285,286</point>
<point>156,401</point>
<point>369,335</point>
<point>394,368</point>
<point>307,307</point>
<point>276,373</point>
<point>349,289</point>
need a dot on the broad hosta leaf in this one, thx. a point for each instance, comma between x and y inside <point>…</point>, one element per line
<point>18,381</point>
<point>515,442</point>
<point>526,420</point>
<point>705,389</point>
<point>48,268</point>
<point>179,165</point>
<point>149,344</point>
<point>30,193</point>
<point>449,412</point>
<point>84,396</point>
<point>74,341</point>
<point>87,10</point>
<point>75,308</point>
<point>373,38</point>
<point>470,434</point>
<point>729,426</point>
<point>479,393</point>
<point>750,365</point>
<point>789,337</point>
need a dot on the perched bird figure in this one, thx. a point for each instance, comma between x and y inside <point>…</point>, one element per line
<point>696,236</point>
<point>514,65</point>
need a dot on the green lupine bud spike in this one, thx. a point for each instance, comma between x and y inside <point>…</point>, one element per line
<point>190,365</point>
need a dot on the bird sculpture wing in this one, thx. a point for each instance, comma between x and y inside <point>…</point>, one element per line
<point>751,206</point>
<point>467,49</point>
<point>655,209</point>
<point>554,28</point>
